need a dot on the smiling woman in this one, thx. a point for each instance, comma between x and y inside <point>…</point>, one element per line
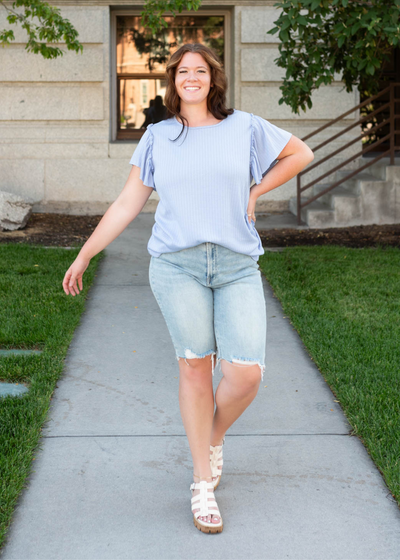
<point>193,84</point>
<point>204,249</point>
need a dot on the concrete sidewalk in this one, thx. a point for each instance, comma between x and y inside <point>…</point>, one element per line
<point>111,480</point>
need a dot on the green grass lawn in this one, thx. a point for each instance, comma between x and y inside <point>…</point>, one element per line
<point>35,312</point>
<point>345,305</point>
<point>343,302</point>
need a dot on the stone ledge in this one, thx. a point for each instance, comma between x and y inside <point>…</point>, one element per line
<point>99,208</point>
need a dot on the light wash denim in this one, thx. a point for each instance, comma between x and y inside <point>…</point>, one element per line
<point>213,303</point>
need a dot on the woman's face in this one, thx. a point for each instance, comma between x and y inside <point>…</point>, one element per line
<point>193,72</point>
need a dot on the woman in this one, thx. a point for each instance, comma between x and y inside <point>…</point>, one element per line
<point>204,249</point>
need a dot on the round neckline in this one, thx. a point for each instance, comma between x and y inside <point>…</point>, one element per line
<point>206,126</point>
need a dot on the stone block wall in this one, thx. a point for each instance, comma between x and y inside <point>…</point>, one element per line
<point>56,148</point>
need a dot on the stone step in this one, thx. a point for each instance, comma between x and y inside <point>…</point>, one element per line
<point>353,184</point>
<point>315,215</point>
<point>368,197</point>
<point>329,197</point>
<point>378,169</point>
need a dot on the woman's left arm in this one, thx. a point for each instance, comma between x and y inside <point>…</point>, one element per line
<point>294,157</point>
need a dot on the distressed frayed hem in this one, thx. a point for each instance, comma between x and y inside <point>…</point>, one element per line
<point>262,368</point>
<point>190,355</point>
<point>245,363</point>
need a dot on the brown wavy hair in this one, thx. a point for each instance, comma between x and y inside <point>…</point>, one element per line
<point>216,99</point>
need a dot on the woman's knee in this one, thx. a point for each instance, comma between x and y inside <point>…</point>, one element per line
<point>198,370</point>
<point>243,377</point>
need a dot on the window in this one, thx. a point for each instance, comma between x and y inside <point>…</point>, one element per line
<point>139,63</point>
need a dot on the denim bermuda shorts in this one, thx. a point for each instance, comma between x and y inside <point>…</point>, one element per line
<point>212,300</point>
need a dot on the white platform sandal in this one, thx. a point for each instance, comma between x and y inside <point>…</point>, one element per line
<point>216,461</point>
<point>203,502</point>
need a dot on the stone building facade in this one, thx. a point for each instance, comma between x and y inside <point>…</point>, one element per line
<point>61,142</point>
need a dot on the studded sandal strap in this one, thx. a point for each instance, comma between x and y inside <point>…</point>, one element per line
<point>196,485</point>
<point>216,459</point>
<point>205,500</point>
<point>205,510</point>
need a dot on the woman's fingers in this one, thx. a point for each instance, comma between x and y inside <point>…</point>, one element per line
<point>73,287</point>
<point>66,282</point>
<point>69,284</point>
<point>73,276</point>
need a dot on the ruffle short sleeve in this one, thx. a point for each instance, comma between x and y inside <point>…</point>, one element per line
<point>267,142</point>
<point>143,157</point>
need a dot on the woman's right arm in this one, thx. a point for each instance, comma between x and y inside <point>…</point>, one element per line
<point>119,215</point>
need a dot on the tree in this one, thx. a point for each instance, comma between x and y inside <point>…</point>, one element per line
<point>321,37</point>
<point>53,28</point>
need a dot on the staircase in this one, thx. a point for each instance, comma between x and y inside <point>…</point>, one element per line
<point>369,197</point>
<point>370,192</point>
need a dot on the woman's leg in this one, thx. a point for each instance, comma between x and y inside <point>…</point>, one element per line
<point>196,401</point>
<point>240,326</point>
<point>236,390</point>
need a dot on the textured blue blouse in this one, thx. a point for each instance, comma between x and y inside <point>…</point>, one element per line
<point>203,180</point>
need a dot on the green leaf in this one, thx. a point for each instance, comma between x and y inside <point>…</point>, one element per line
<point>302,20</point>
<point>370,69</point>
<point>362,64</point>
<point>284,36</point>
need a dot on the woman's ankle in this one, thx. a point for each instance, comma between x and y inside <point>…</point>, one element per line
<point>206,477</point>
<point>217,440</point>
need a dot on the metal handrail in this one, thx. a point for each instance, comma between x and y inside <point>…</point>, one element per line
<point>390,136</point>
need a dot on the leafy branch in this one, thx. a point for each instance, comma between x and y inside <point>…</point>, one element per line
<point>154,10</point>
<point>52,29</point>
<point>322,37</point>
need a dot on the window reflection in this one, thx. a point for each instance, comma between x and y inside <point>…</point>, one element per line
<point>141,103</point>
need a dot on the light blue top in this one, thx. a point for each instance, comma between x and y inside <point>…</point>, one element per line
<point>203,180</point>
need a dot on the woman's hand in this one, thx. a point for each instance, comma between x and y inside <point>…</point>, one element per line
<point>73,274</point>
<point>251,209</point>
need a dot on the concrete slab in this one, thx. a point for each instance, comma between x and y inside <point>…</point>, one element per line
<point>19,352</point>
<point>12,389</point>
<point>121,375</point>
<point>111,478</point>
<point>278,220</point>
<point>127,261</point>
<point>294,497</point>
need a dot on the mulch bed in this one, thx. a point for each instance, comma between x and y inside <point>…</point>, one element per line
<point>64,230</point>
<point>355,236</point>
